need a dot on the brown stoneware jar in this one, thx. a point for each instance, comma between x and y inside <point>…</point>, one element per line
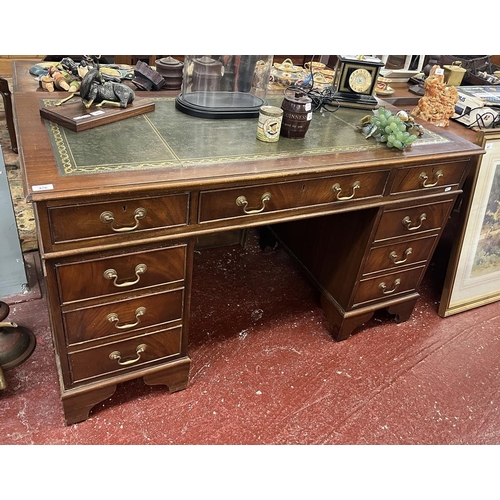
<point>297,114</point>
<point>171,69</point>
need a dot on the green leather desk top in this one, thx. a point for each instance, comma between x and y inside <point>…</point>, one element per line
<point>167,137</point>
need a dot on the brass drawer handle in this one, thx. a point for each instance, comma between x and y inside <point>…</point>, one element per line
<point>424,178</point>
<point>111,274</point>
<point>407,222</point>
<point>337,189</point>
<point>116,356</point>
<point>108,218</point>
<point>394,256</point>
<point>395,285</point>
<point>241,201</point>
<point>113,318</point>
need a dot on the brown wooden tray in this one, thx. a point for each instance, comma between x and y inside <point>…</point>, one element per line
<point>76,117</point>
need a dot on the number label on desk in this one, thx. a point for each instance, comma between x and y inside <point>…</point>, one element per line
<point>43,187</point>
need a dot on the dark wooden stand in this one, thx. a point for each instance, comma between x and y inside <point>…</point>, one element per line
<point>76,117</point>
<point>7,102</point>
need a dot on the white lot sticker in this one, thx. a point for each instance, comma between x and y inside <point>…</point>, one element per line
<point>99,112</point>
<point>43,187</point>
<point>80,117</point>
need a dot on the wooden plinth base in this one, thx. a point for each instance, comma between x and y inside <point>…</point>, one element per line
<point>76,117</point>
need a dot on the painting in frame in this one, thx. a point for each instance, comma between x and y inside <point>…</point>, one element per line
<point>473,275</point>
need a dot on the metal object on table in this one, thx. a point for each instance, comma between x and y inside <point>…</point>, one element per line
<point>16,344</point>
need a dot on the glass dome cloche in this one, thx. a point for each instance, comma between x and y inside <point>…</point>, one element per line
<point>224,86</point>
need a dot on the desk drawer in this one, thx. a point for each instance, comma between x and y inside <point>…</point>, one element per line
<point>267,198</point>
<point>125,355</point>
<point>397,255</point>
<point>413,220</point>
<point>388,286</point>
<point>120,273</point>
<point>121,317</point>
<point>426,177</point>
<point>89,220</point>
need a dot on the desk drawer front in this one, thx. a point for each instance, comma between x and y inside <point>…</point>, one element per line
<point>413,220</point>
<point>388,286</point>
<point>397,255</point>
<point>80,222</point>
<point>426,177</point>
<point>107,276</point>
<point>250,201</point>
<point>125,355</point>
<point>122,317</point>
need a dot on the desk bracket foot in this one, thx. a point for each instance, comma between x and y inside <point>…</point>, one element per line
<point>346,326</point>
<point>174,376</point>
<point>343,323</point>
<point>404,310</point>
<point>77,405</point>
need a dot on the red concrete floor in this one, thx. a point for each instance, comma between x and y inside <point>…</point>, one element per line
<point>265,370</point>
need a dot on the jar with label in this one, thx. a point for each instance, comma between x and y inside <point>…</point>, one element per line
<point>269,125</point>
<point>297,115</point>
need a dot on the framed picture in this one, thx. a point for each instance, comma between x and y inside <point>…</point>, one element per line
<point>473,276</point>
<point>401,68</point>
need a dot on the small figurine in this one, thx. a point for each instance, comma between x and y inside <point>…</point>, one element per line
<point>95,90</point>
<point>437,105</point>
<point>54,78</point>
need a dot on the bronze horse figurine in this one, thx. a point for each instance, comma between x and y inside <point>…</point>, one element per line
<point>95,90</point>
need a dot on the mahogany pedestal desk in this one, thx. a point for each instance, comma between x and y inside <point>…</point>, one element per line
<point>119,207</point>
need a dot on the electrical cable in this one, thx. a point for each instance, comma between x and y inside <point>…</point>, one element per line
<point>321,99</point>
<point>481,119</point>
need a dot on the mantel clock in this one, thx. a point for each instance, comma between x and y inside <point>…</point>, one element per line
<point>355,81</point>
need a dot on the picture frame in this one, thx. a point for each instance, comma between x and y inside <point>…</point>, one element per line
<point>473,274</point>
<point>401,68</point>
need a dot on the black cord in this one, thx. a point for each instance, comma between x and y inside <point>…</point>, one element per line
<point>324,99</point>
<point>480,119</point>
<point>321,99</point>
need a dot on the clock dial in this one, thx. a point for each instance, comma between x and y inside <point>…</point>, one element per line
<point>360,80</point>
<point>355,80</point>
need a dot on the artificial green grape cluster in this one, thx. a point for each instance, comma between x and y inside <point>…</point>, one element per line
<point>392,129</point>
